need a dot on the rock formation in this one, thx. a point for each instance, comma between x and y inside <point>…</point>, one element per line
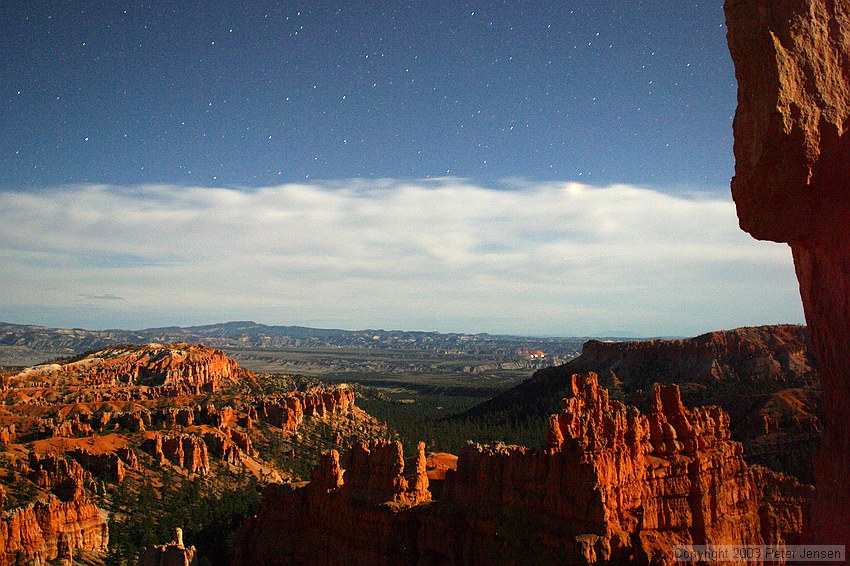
<point>792,175</point>
<point>374,474</point>
<point>287,411</point>
<point>783,504</point>
<point>69,473</point>
<point>613,484</point>
<point>188,367</point>
<point>171,554</point>
<point>777,420</point>
<point>127,422</point>
<point>437,464</point>
<point>363,514</point>
<point>63,477</point>
<point>39,531</point>
<point>620,483</point>
<point>109,466</point>
<point>778,353</point>
<point>185,451</point>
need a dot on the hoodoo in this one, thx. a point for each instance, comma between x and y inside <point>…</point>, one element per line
<point>613,485</point>
<point>792,183</point>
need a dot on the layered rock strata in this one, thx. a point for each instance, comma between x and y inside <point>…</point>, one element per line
<point>63,477</point>
<point>288,411</point>
<point>142,416</point>
<point>46,530</point>
<point>613,484</point>
<point>792,176</point>
<point>188,367</point>
<point>778,353</point>
<point>777,419</point>
<point>185,451</point>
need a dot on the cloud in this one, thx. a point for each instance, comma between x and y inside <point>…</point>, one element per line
<point>106,297</point>
<point>560,258</point>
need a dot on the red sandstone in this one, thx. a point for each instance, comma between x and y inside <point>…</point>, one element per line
<point>792,63</point>
<point>39,531</point>
<point>613,485</point>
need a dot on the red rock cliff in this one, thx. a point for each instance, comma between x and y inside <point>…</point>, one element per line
<point>288,411</point>
<point>37,532</point>
<point>364,514</point>
<point>770,353</point>
<point>777,421</point>
<point>184,366</point>
<point>613,485</point>
<point>185,451</point>
<point>792,177</point>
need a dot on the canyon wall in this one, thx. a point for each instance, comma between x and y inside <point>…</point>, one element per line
<point>141,417</point>
<point>46,530</point>
<point>778,353</point>
<point>765,377</point>
<point>364,514</point>
<point>189,366</point>
<point>613,484</point>
<point>792,174</point>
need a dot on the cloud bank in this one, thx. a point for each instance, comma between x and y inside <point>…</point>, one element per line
<point>542,258</point>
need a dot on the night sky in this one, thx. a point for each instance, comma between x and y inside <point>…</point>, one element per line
<point>216,93</point>
<point>128,119</point>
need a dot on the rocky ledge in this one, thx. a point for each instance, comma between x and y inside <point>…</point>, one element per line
<point>613,484</point>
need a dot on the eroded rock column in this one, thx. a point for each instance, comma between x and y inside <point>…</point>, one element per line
<point>792,184</point>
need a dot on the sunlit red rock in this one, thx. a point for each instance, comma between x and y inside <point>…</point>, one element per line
<point>792,176</point>
<point>612,485</point>
<point>438,463</point>
<point>41,530</point>
<point>64,477</point>
<point>185,451</point>
<point>140,417</point>
<point>188,366</point>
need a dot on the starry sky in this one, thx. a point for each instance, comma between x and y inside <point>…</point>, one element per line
<point>370,164</point>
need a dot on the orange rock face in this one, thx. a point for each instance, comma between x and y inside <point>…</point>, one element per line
<point>624,484</point>
<point>65,478</point>
<point>791,185</point>
<point>778,423</point>
<point>613,485</point>
<point>143,416</point>
<point>111,466</point>
<point>375,474</point>
<point>288,411</point>
<point>364,514</point>
<point>437,464</point>
<point>186,367</point>
<point>140,390</point>
<point>38,532</point>
<point>776,353</point>
<point>185,451</point>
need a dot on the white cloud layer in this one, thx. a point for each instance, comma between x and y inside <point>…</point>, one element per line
<point>546,258</point>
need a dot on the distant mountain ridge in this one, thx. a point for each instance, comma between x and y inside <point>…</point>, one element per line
<point>29,344</point>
